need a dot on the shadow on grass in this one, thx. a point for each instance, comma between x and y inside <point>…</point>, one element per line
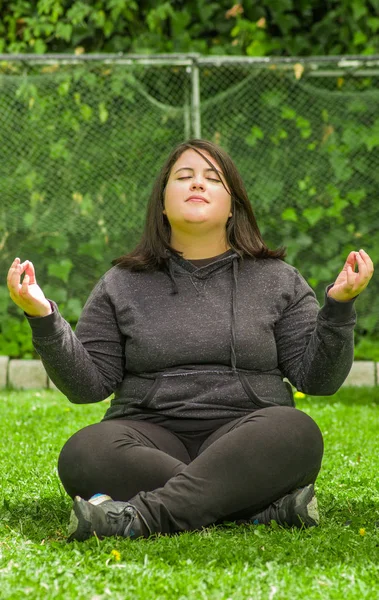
<point>37,519</point>
<point>46,519</point>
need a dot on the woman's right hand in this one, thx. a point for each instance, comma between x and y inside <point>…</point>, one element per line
<point>27,295</point>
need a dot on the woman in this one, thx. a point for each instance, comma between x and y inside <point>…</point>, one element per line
<point>194,332</point>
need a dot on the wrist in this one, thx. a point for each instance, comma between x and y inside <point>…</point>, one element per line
<point>43,312</point>
<point>338,298</point>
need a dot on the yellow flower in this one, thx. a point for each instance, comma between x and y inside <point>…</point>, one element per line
<point>299,395</point>
<point>116,555</point>
<point>362,531</point>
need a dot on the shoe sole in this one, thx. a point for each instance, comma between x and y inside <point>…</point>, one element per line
<point>80,526</point>
<point>306,507</point>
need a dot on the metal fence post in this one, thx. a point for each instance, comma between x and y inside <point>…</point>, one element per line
<point>195,104</point>
<point>187,104</point>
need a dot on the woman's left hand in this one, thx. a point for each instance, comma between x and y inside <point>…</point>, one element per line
<point>349,283</point>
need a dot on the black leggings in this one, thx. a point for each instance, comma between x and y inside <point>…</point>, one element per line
<point>184,481</point>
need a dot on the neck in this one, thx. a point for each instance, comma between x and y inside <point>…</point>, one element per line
<point>197,248</point>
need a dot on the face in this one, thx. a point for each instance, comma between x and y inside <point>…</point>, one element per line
<point>195,194</point>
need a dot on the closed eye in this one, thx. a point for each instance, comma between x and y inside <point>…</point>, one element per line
<point>209,178</point>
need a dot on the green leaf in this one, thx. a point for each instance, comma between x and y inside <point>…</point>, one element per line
<point>341,166</point>
<point>58,150</point>
<point>39,47</point>
<point>288,113</point>
<point>57,242</point>
<point>273,98</point>
<point>73,309</point>
<point>255,135</point>
<point>180,22</point>
<point>289,214</point>
<point>29,219</point>
<point>373,23</point>
<point>359,9</point>
<point>313,214</point>
<point>78,12</point>
<point>36,198</point>
<point>64,31</point>
<point>60,269</point>
<point>302,184</point>
<point>94,248</point>
<point>371,136</point>
<point>158,15</point>
<point>356,196</point>
<point>360,38</point>
<point>86,112</point>
<point>64,87</point>
<point>336,209</point>
<point>56,293</point>
<point>98,18</point>
<point>108,28</point>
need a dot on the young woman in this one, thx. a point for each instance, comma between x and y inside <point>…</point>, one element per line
<point>194,332</point>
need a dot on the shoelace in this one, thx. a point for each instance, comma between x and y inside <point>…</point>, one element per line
<point>117,518</point>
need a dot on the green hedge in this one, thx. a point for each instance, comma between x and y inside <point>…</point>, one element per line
<point>271,27</point>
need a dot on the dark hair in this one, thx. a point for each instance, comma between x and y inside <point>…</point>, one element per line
<point>242,230</point>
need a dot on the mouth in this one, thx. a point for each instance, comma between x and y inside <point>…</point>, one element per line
<point>197,199</point>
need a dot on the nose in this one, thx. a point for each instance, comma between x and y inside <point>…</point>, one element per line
<point>197,184</point>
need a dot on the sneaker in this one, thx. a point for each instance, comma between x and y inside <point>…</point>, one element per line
<point>103,517</point>
<point>298,509</point>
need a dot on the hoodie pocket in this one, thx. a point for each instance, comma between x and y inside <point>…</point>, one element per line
<point>202,390</point>
<point>255,399</point>
<point>146,400</point>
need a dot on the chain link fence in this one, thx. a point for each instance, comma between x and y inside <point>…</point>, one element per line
<point>82,139</point>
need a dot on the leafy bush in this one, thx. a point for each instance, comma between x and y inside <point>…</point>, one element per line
<point>284,27</point>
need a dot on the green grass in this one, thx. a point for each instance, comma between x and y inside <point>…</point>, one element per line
<point>235,562</point>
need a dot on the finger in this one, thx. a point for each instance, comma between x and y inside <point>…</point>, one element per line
<point>368,261</point>
<point>362,267</point>
<point>14,275</point>
<point>13,265</point>
<point>350,260</point>
<point>24,265</point>
<point>29,270</point>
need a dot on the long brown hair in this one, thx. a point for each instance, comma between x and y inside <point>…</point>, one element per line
<point>242,231</point>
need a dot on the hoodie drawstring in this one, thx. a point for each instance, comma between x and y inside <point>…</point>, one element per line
<point>175,289</point>
<point>233,356</point>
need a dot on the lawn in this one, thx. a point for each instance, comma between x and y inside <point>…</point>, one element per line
<point>339,559</point>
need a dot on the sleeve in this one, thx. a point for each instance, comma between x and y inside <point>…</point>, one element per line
<point>315,346</point>
<point>86,365</point>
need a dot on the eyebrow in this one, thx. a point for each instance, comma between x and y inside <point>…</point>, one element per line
<point>191,169</point>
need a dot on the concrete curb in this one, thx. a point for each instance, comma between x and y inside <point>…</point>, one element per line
<point>29,374</point>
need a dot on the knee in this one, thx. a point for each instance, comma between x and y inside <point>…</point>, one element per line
<point>291,431</point>
<point>72,462</point>
<point>296,423</point>
<point>303,432</point>
<point>72,452</point>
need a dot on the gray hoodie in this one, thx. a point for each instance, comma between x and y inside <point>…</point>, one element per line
<point>206,343</point>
